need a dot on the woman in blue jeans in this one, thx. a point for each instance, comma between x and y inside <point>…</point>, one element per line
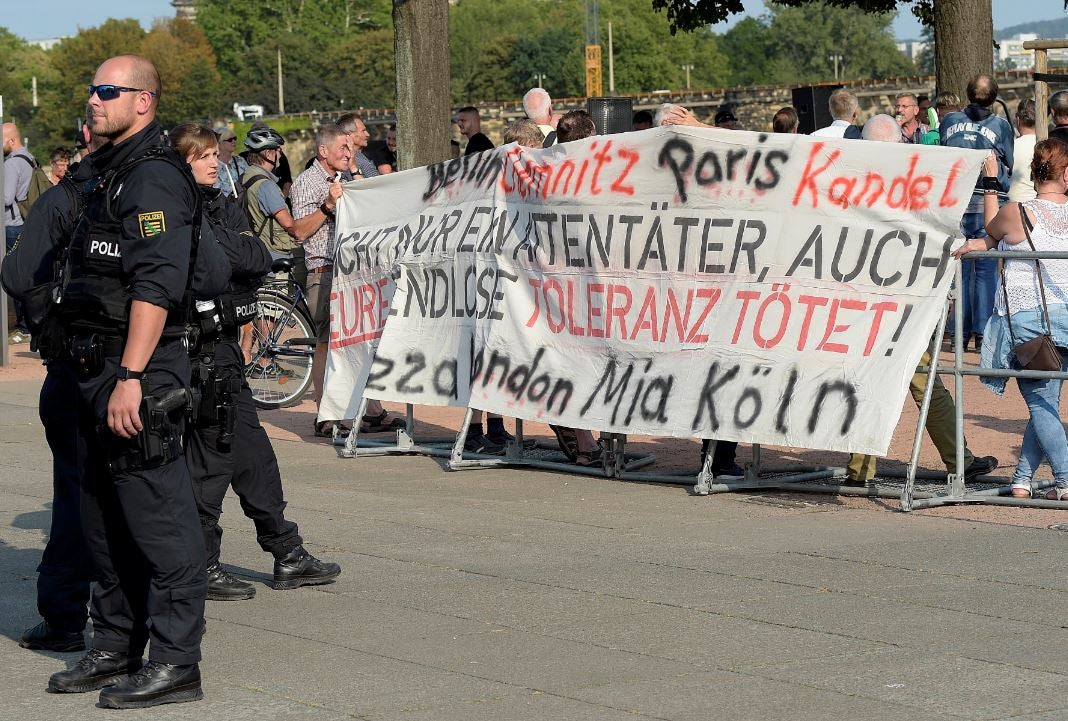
<point>1018,298</point>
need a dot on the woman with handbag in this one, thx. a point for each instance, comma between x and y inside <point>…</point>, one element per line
<point>1029,327</point>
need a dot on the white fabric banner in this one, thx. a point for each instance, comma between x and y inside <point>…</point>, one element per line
<point>775,289</point>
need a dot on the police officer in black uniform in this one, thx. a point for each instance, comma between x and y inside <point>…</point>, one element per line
<point>227,445</point>
<point>137,257</point>
<point>29,274</point>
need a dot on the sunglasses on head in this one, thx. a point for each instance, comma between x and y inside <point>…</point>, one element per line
<point>110,92</point>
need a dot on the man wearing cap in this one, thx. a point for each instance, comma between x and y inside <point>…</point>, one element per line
<point>231,167</point>
<point>725,119</point>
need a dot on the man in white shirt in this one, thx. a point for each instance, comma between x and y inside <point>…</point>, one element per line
<point>538,106</point>
<point>843,106</point>
<point>1021,187</point>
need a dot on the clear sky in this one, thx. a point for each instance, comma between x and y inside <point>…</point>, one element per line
<point>36,20</point>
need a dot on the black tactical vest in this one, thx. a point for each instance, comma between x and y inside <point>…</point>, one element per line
<point>95,297</point>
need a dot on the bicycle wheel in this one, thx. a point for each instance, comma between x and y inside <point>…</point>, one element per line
<point>283,343</point>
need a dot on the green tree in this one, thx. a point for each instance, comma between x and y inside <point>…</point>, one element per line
<point>20,63</point>
<point>186,64</point>
<point>246,35</point>
<point>370,79</point>
<point>640,44</point>
<point>752,55</point>
<point>557,52</point>
<point>74,61</point>
<point>963,28</point>
<point>702,49</point>
<point>477,48</point>
<point>808,36</point>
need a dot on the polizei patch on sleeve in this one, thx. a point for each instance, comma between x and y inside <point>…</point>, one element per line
<point>152,223</point>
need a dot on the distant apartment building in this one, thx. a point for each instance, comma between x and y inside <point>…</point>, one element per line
<point>46,44</point>
<point>1011,54</point>
<point>912,48</point>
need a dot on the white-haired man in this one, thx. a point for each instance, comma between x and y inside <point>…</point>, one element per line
<point>538,106</point>
<point>883,128</point>
<point>843,107</point>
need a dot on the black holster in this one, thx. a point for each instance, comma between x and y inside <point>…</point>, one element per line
<point>160,440</point>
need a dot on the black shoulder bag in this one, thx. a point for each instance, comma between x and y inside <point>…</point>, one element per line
<point>1039,353</point>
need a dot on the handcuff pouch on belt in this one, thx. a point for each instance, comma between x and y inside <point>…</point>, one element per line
<point>160,440</point>
<point>88,353</point>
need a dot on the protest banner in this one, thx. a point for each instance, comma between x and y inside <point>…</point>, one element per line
<point>774,289</point>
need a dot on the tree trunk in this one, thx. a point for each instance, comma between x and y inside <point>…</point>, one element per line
<point>421,40</point>
<point>964,43</point>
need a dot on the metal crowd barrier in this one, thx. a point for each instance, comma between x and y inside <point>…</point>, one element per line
<point>916,489</point>
<point>956,492</point>
<point>518,452</point>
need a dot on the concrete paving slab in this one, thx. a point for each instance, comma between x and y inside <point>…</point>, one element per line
<point>936,682</point>
<point>739,697</point>
<point>967,634</point>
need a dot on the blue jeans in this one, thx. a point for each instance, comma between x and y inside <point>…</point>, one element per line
<point>1044,437</point>
<point>980,279</point>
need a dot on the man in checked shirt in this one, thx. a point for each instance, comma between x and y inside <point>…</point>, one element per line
<point>315,194</point>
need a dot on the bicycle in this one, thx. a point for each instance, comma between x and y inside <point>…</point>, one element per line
<point>283,341</point>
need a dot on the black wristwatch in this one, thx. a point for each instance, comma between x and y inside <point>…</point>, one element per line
<point>326,211</point>
<point>125,374</point>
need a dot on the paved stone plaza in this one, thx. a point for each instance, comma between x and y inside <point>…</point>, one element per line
<point>516,595</point>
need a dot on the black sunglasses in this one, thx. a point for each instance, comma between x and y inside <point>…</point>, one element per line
<point>110,92</point>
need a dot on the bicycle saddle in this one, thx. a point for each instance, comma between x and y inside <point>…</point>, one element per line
<point>282,265</point>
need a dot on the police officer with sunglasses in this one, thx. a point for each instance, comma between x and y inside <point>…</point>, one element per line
<point>138,258</point>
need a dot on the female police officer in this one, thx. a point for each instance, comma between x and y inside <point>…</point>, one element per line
<point>227,446</point>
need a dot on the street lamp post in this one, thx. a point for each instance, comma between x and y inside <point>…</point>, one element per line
<point>836,59</point>
<point>540,77</point>
<point>687,68</point>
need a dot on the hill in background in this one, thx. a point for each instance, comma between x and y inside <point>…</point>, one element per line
<point>1055,28</point>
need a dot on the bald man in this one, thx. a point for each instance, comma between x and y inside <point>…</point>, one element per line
<point>124,309</point>
<point>18,170</point>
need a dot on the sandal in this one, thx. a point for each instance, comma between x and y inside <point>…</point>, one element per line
<point>1020,490</point>
<point>591,459</point>
<point>379,424</point>
<point>1057,493</point>
<point>568,441</point>
<point>325,429</point>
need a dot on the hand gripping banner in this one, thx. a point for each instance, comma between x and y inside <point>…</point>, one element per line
<point>775,289</point>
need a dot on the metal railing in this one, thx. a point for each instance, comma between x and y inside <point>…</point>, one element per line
<point>956,491</point>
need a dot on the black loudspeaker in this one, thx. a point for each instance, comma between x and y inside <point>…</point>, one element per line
<point>811,105</point>
<point>611,115</point>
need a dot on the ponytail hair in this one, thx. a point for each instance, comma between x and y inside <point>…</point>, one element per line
<point>1050,160</point>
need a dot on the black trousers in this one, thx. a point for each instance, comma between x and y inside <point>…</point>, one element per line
<point>141,530</point>
<point>64,572</point>
<point>247,463</point>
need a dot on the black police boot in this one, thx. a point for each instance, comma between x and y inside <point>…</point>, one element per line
<point>224,587</point>
<point>300,568</point>
<point>44,637</point>
<point>93,671</point>
<point>156,683</point>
